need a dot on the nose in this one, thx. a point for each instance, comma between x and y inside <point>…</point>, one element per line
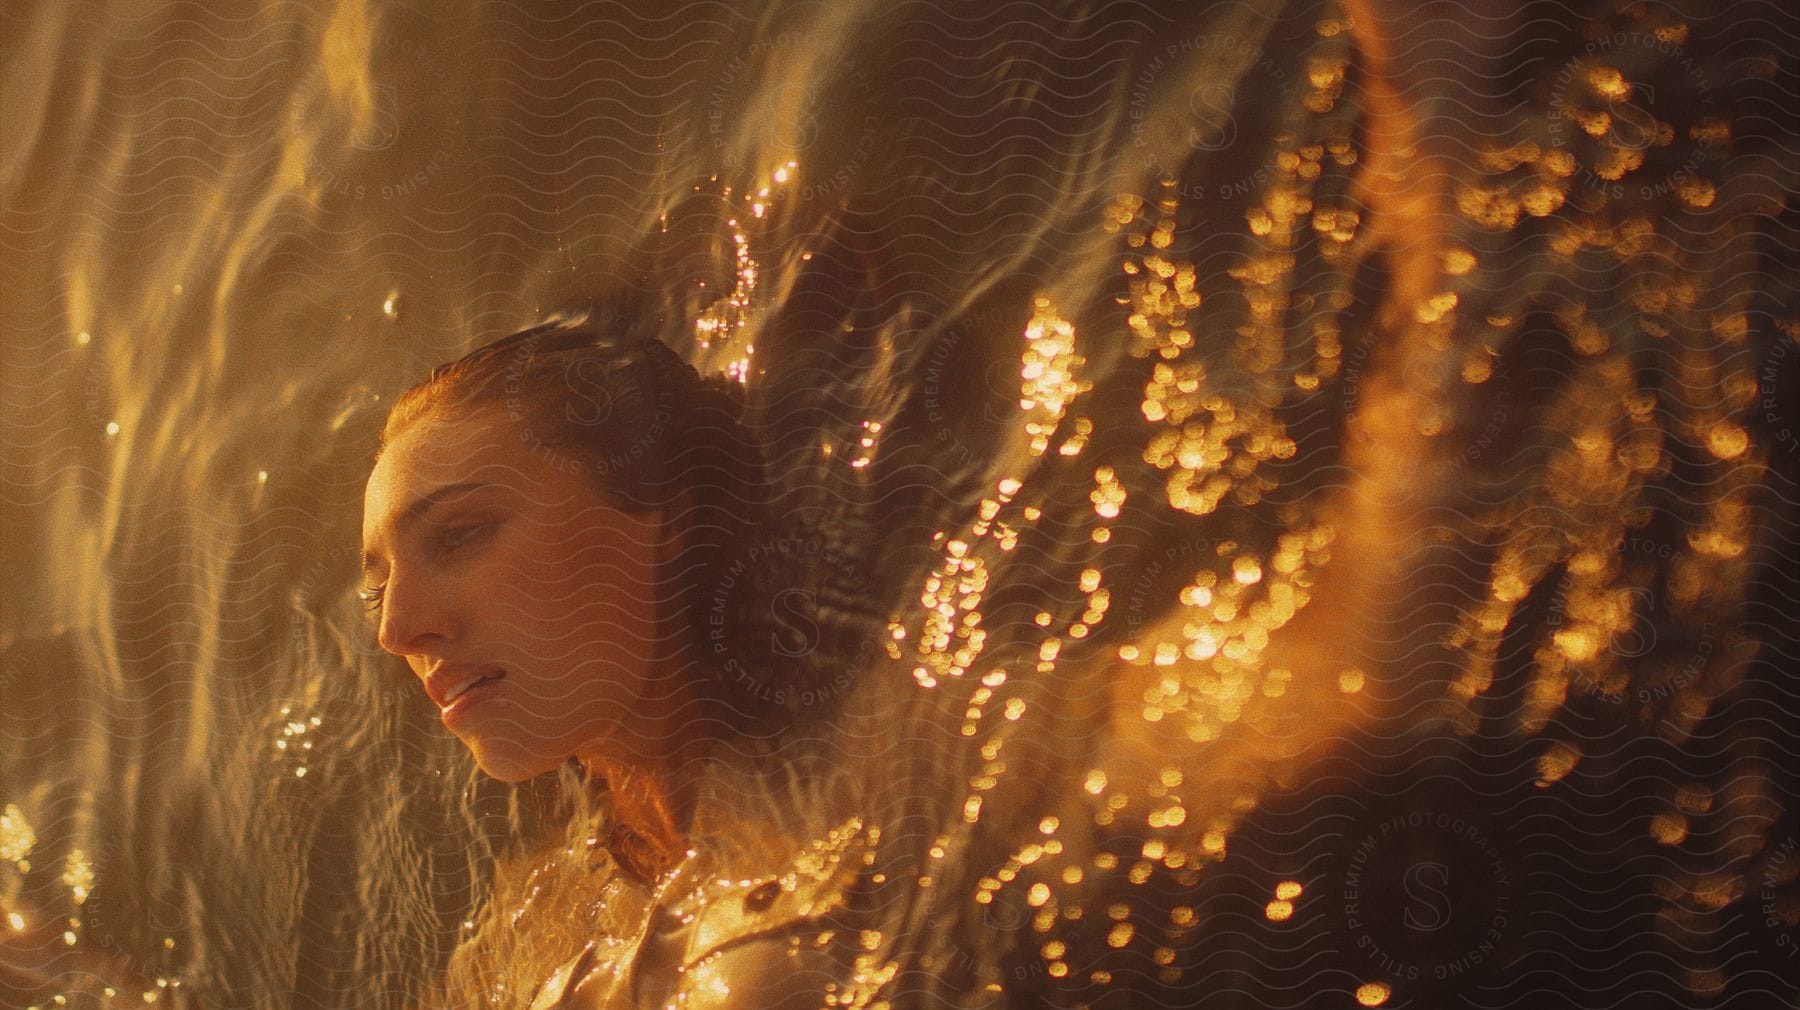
<point>415,618</point>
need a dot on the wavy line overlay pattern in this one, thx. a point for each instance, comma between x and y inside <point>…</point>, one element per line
<point>1283,504</point>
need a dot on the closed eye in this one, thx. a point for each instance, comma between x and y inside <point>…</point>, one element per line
<point>450,540</point>
<point>371,597</point>
<point>459,535</point>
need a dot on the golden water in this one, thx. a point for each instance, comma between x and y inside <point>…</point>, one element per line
<point>1203,393</point>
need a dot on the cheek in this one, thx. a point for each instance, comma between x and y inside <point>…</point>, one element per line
<point>608,570</point>
<point>577,588</point>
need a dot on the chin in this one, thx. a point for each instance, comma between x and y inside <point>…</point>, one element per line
<point>508,767</point>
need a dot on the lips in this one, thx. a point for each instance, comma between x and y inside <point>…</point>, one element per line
<point>472,685</point>
<point>449,682</point>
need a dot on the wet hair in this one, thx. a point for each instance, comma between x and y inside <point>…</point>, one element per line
<point>599,394</point>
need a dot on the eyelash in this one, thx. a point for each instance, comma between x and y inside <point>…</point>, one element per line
<point>451,540</point>
<point>371,597</point>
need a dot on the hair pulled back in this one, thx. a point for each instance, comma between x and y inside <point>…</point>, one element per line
<point>598,394</point>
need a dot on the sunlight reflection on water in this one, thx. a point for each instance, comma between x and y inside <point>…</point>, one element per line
<point>1021,302</point>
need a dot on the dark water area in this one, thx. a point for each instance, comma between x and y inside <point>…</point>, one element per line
<point>1329,468</point>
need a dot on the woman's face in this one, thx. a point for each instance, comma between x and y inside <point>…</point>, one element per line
<point>489,562</point>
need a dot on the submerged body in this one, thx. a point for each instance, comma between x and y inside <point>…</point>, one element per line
<point>751,915</point>
<point>773,936</point>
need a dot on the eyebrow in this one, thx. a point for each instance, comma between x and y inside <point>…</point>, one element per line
<point>420,506</point>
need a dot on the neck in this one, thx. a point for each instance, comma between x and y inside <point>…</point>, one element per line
<point>653,800</point>
<point>654,780</point>
<point>651,814</point>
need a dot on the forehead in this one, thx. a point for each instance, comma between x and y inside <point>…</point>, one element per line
<point>483,446</point>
